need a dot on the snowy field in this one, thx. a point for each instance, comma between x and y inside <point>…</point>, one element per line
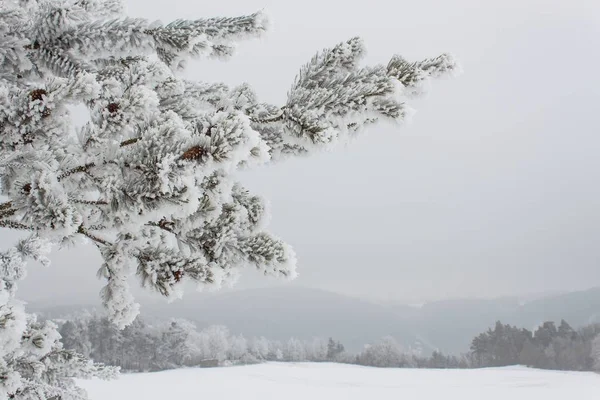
<point>332,381</point>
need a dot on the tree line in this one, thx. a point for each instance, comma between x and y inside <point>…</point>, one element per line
<point>548,347</point>
<point>153,346</point>
<point>146,346</point>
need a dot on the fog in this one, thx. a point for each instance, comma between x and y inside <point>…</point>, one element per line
<point>491,190</point>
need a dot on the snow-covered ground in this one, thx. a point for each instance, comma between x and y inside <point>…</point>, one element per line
<point>345,382</point>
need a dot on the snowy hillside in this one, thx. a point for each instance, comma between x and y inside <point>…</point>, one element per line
<point>334,381</point>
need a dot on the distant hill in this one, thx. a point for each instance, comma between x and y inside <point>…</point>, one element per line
<point>280,313</point>
<point>577,308</point>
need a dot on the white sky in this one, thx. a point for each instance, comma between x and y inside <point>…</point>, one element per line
<point>493,188</point>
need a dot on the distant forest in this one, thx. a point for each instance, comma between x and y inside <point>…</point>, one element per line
<point>145,346</point>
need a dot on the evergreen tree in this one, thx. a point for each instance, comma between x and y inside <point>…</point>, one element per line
<point>334,349</point>
<point>548,347</point>
<point>531,355</point>
<point>596,353</point>
<point>74,336</point>
<point>147,178</point>
<point>565,330</point>
<point>545,333</point>
<point>500,346</point>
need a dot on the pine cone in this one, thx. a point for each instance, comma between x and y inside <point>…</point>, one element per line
<point>113,108</point>
<point>177,275</point>
<point>38,94</point>
<point>194,153</point>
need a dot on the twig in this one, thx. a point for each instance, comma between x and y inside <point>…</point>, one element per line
<point>268,119</point>
<point>15,225</point>
<point>7,213</point>
<point>96,239</point>
<point>163,224</point>
<point>81,168</point>
<point>91,202</point>
<point>129,141</point>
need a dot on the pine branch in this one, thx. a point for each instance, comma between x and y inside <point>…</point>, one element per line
<point>184,139</point>
<point>59,61</point>
<point>85,232</point>
<point>7,213</point>
<point>90,202</point>
<point>16,225</point>
<point>76,170</point>
<point>96,227</point>
<point>129,142</point>
<point>6,210</point>
<point>163,224</point>
<point>267,120</point>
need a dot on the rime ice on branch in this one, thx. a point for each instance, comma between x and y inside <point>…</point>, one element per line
<point>148,178</point>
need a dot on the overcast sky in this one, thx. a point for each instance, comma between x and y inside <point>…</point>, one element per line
<point>492,189</point>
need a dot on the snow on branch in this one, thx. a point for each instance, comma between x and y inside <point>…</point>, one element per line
<point>148,179</point>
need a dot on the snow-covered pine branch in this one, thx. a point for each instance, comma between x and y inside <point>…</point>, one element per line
<point>33,362</point>
<point>148,179</point>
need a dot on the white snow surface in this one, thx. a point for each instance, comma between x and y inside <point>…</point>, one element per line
<point>313,381</point>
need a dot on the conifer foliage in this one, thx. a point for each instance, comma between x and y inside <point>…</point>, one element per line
<point>33,363</point>
<point>148,177</point>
